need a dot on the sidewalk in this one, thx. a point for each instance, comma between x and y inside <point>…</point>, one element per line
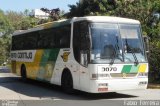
<point>4,69</point>
<point>153,86</point>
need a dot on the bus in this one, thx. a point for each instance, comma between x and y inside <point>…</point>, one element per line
<point>95,54</point>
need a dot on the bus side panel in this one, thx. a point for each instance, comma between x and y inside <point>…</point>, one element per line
<point>65,60</point>
<point>41,68</point>
<point>47,64</point>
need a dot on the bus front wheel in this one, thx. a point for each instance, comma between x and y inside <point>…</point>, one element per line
<point>67,82</point>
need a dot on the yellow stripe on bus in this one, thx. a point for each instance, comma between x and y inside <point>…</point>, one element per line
<point>35,66</point>
<point>142,68</point>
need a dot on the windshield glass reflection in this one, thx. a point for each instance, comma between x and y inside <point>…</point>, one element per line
<point>132,42</point>
<point>114,43</point>
<point>105,43</point>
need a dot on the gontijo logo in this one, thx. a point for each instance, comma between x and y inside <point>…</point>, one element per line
<point>65,56</point>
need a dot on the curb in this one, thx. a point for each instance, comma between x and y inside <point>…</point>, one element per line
<point>153,86</point>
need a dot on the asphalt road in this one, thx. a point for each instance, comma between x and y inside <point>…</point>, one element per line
<point>15,92</point>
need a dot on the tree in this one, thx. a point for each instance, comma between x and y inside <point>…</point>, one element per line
<point>14,19</point>
<point>5,30</point>
<point>26,12</point>
<point>53,13</point>
<point>91,7</point>
<point>9,22</point>
<point>5,25</point>
<point>21,21</point>
<point>141,10</point>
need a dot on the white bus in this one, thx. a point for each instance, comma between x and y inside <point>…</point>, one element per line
<point>95,54</point>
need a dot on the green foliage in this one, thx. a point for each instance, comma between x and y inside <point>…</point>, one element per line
<point>88,7</point>
<point>5,26</point>
<point>14,19</point>
<point>9,22</point>
<point>92,7</point>
<point>21,21</point>
<point>154,60</point>
<point>5,34</point>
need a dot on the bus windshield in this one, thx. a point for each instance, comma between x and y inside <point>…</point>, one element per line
<point>116,43</point>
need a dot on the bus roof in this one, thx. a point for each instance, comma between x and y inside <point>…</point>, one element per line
<point>109,19</point>
<point>44,26</point>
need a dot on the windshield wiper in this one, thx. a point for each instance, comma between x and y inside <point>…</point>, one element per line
<point>113,56</point>
<point>115,51</point>
<point>133,53</point>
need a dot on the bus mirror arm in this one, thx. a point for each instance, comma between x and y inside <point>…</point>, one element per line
<point>146,43</point>
<point>84,59</point>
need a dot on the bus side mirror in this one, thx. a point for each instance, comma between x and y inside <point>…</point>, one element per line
<point>84,58</point>
<point>146,43</point>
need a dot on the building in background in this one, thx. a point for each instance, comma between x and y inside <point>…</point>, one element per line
<point>37,13</point>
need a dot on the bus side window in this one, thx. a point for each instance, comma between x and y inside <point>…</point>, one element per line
<point>65,36</point>
<point>14,43</point>
<point>46,39</point>
<point>18,42</point>
<point>30,41</point>
<point>55,37</point>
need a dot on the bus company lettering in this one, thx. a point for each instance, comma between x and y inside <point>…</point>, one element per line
<point>21,55</point>
<point>27,56</point>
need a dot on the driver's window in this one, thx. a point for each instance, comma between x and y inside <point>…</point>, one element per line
<point>80,39</point>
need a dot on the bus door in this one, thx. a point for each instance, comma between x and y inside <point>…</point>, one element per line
<point>81,45</point>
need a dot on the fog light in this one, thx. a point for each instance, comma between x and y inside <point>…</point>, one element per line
<point>94,76</point>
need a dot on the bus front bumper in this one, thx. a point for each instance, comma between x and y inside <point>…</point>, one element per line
<point>113,85</point>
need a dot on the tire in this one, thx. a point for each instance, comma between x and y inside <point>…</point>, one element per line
<point>67,82</point>
<point>23,73</point>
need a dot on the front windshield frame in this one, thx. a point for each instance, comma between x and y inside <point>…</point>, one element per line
<point>119,54</point>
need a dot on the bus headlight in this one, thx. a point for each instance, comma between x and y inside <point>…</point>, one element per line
<point>94,76</point>
<point>142,74</point>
